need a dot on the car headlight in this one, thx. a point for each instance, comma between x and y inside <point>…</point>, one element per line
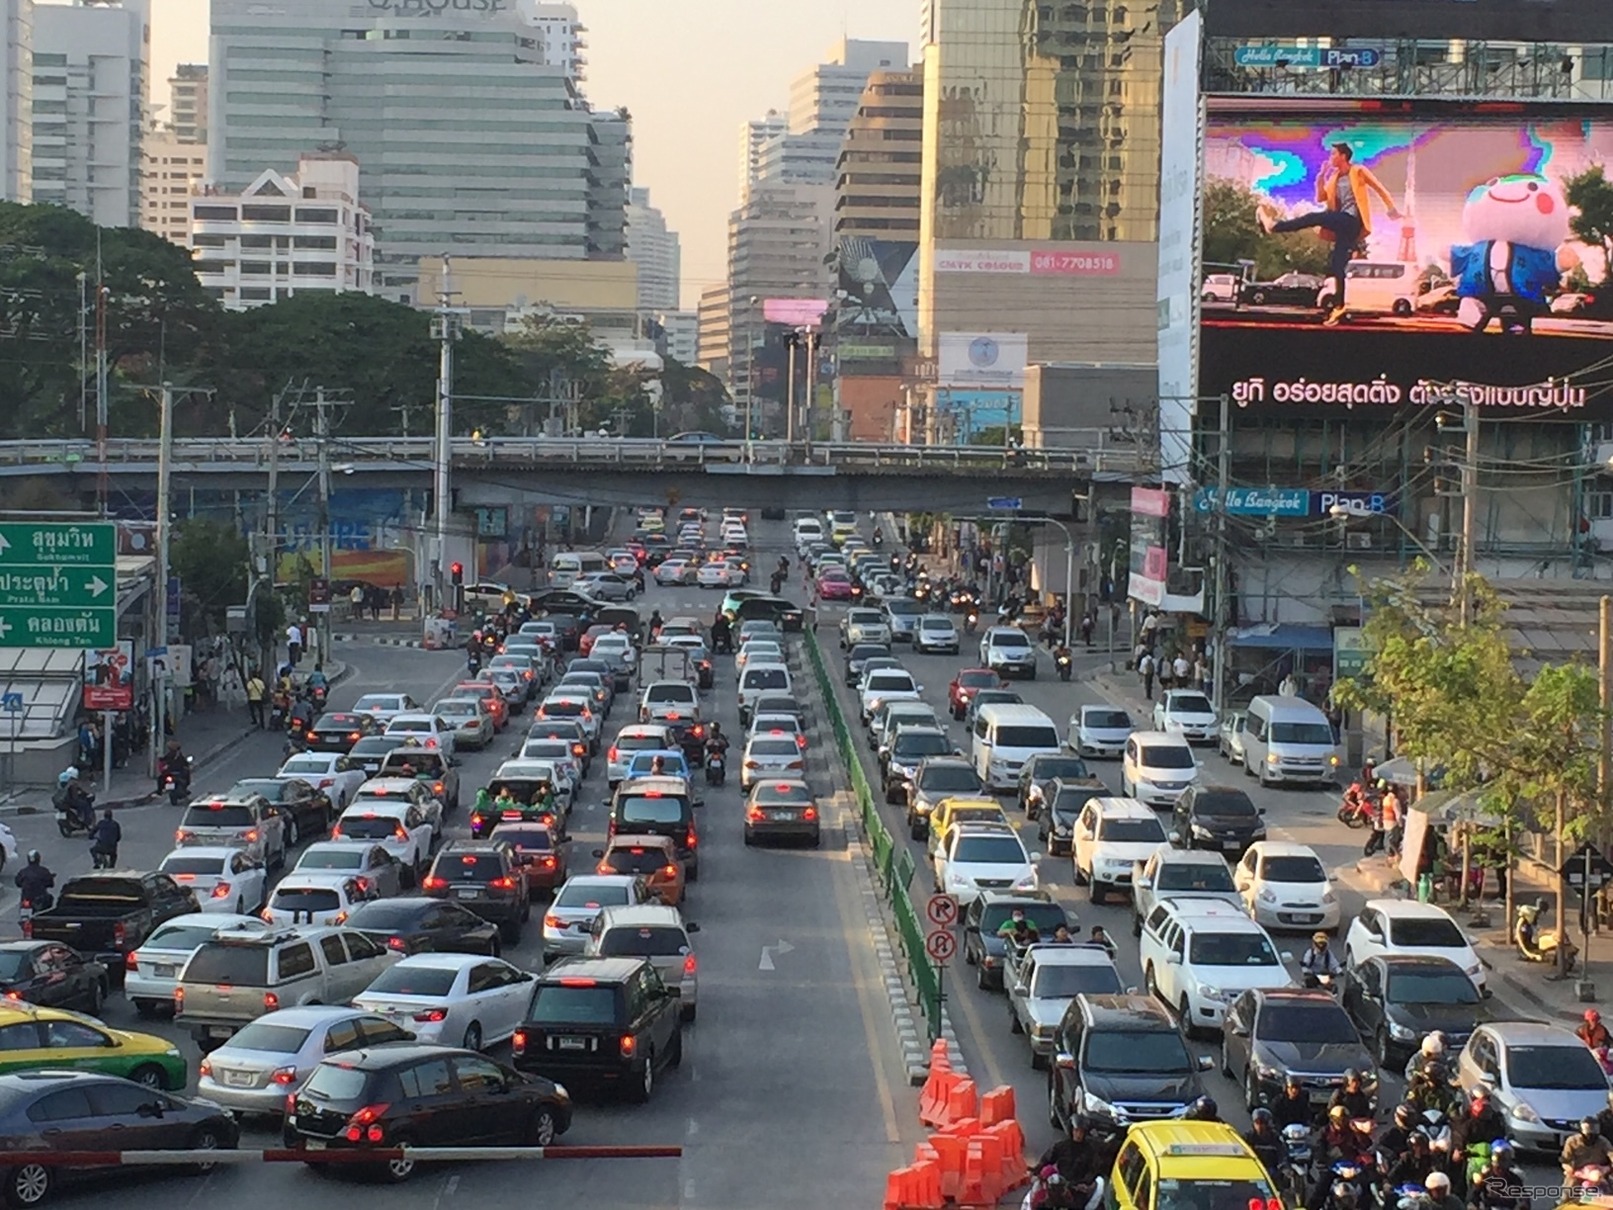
<point>1333,761</point>
<point>1525,1112</point>
<point>1211,993</point>
<point>1027,883</point>
<point>1271,758</point>
<point>1474,971</point>
<point>1401,1033</point>
<point>562,1092</point>
<point>1092,1104</point>
<point>1328,898</point>
<point>1258,834</point>
<point>1268,1073</point>
<point>1202,832</point>
<point>1267,895</point>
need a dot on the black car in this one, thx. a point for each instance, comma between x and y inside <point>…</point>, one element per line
<point>53,975</point>
<point>338,731</point>
<point>425,926</point>
<point>77,1111</point>
<point>1118,1060</point>
<point>307,810</point>
<point>658,806</point>
<point>859,655</point>
<point>408,1094</point>
<point>1037,775</point>
<point>564,600</point>
<point>1055,823</point>
<point>486,878</point>
<point>787,614</point>
<point>368,753</point>
<point>568,626</point>
<point>602,1022</point>
<point>1223,818</point>
<point>935,779</point>
<point>1289,290</point>
<point>983,949</point>
<point>1396,1000</point>
<point>1270,1034</point>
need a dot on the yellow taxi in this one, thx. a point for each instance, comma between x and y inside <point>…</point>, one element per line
<point>950,812</point>
<point>1177,1165</point>
<point>35,1039</point>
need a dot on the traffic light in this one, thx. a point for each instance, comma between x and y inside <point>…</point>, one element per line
<point>457,571</point>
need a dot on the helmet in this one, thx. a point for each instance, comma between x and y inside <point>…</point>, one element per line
<point>1343,1193</point>
<point>1338,1113</point>
<point>1293,1081</point>
<point>1204,1107</point>
<point>1418,1136</point>
<point>1592,1017</point>
<point>1479,1096</point>
<point>1434,1045</point>
<point>1319,938</point>
<point>1406,1113</point>
<point>1352,1076</point>
<point>1054,1181</point>
<point>1261,1117</point>
<point>1500,1150</point>
<point>1437,1180</point>
<point>1587,1127</point>
<point>33,856</point>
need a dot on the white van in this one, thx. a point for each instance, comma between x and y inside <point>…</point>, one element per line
<point>1378,286</point>
<point>1288,739</point>
<point>807,531</point>
<point>566,566</point>
<point>1005,736</point>
<point>1157,766</point>
<point>758,679</point>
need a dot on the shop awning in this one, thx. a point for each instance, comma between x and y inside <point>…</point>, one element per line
<point>1283,636</point>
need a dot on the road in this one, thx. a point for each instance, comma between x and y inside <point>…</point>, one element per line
<point>791,1082</point>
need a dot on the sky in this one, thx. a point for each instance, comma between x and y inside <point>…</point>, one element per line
<point>690,72</point>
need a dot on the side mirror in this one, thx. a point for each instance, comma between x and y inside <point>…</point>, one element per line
<point>599,853</point>
<point>1287,955</point>
<point>1206,1063</point>
<point>1035,857</point>
<point>1142,884</point>
<point>691,927</point>
<point>1173,959</point>
<point>1174,837</point>
<point>605,802</point>
<point>1260,810</point>
<point>1022,989</point>
<point>1064,1060</point>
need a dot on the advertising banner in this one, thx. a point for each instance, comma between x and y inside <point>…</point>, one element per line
<point>794,312</point>
<point>983,359</point>
<point>109,677</point>
<point>879,290</point>
<point>972,411</point>
<point>1150,564</point>
<point>1425,258</point>
<point>1256,501</point>
<point>1060,261</point>
<point>1181,166</point>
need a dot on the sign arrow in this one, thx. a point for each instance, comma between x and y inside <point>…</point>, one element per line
<point>4,545</point>
<point>5,626</point>
<point>96,585</point>
<point>769,952</point>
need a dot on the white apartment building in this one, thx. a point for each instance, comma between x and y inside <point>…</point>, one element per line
<point>680,334</point>
<point>173,170</point>
<point>563,42</point>
<point>656,251</point>
<point>187,103</point>
<point>285,233</point>
<point>17,101</point>
<point>91,76</point>
<point>826,96</point>
<point>754,136</point>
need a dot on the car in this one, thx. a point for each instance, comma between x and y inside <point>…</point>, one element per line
<point>485,877</point>
<point>981,858</point>
<point>1170,873</point>
<point>1272,1034</point>
<point>1405,926</point>
<point>377,869</point>
<point>512,685</point>
<point>957,809</point>
<point>966,684</point>
<point>578,705</point>
<point>607,586</point>
<point>1198,956</point>
<point>631,739</point>
<point>1541,1077</point>
<point>658,933</point>
<point>673,572</point>
<point>383,707</point>
<point>785,614</point>
<point>1221,287</point>
<point>402,828</point>
<point>1044,979</point>
<point>1396,1000</point>
<point>778,724</point>
<point>1156,767</point>
<point>315,899</point>
<point>1285,886</point>
<point>936,779</point>
<point>369,752</point>
<point>759,651</point>
<point>668,701</point>
<point>782,808</point>
<point>51,975</point>
<point>491,697</point>
<point>468,1000</point>
<point>338,731</point>
<point>904,613</point>
<point>1291,289</point>
<point>984,947</point>
<point>653,859</point>
<point>937,632</point>
<point>335,774</point>
<point>580,1004</point>
<point>1188,713</point>
<point>718,575</point>
<point>1120,1060</point>
<point>858,656</point>
<point>540,855</point>
<point>834,583</point>
<point>1100,731</point>
<point>1202,1163</point>
<point>1008,651</point>
<point>1223,818</point>
<point>470,719</point>
<point>431,731</point>
<point>152,972</point>
<point>1229,738</point>
<point>1055,822</point>
<point>422,1094</point>
<point>304,809</point>
<point>254,1070</point>
<point>248,823</point>
<point>1037,775</point>
<point>864,625</point>
<point>909,748</point>
<point>418,926</point>
<point>989,697</point>
<point>578,901</point>
<point>883,685</point>
<point>226,880</point>
<point>1111,837</point>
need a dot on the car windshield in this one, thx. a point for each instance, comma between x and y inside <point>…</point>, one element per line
<point>409,725</point>
<point>640,743</point>
<point>1302,733</point>
<point>13,963</point>
<point>766,678</point>
<point>774,747</point>
<point>923,743</point>
<point>1136,1052</point>
<point>238,965</point>
<point>1009,638</point>
<point>1131,831</point>
<point>377,701</point>
<point>560,1004</point>
<point>950,778</point>
<point>669,693</point>
<point>1326,1023</point>
<point>1045,916</point>
<point>1046,767</point>
<point>336,1082</point>
<point>1181,876</point>
<point>591,895</point>
<point>181,866</point>
<point>1293,869</point>
<point>1213,1195</point>
<point>368,827</point>
<point>904,607</point>
<point>1071,799</point>
<point>1027,735</point>
<point>1191,703</point>
<point>469,867</point>
<point>864,617</point>
<point>406,980</point>
<point>563,708</point>
<point>1431,987</point>
<point>1426,932</point>
<point>1167,756</point>
<point>989,850</point>
<point>305,899</point>
<point>218,815</point>
<point>932,623</point>
<point>1231,803</point>
<point>642,808</point>
<point>1068,980</point>
<point>333,858</point>
<point>644,942</point>
<point>898,682</point>
<point>634,860</point>
<point>1232,949</point>
<point>1555,1067</point>
<point>311,765</point>
<point>275,1039</point>
<point>1107,719</point>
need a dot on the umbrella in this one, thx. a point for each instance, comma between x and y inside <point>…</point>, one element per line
<point>1400,771</point>
<point>1457,806</point>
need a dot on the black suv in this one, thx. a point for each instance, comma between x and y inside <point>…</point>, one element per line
<point>1270,1034</point>
<point>1118,1060</point>
<point>983,949</point>
<point>338,731</point>
<point>937,778</point>
<point>1223,818</point>
<point>423,1096</point>
<point>1064,800</point>
<point>658,806</point>
<point>486,878</point>
<point>306,809</point>
<point>602,1021</point>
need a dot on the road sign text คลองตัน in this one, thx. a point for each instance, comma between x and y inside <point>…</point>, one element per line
<point>58,584</point>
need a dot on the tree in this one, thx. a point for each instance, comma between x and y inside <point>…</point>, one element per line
<point>1590,195</point>
<point>1232,235</point>
<point>211,560</point>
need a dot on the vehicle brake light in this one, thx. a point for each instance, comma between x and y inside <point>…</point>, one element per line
<point>551,921</point>
<point>809,814</point>
<point>751,764</point>
<point>250,834</point>
<point>433,884</point>
<point>576,981</point>
<point>326,782</point>
<point>400,833</point>
<point>221,890</point>
<point>436,787</point>
<point>518,1042</point>
<point>689,838</point>
<point>131,960</point>
<point>629,1046</point>
<point>354,736</point>
<point>396,943</point>
<point>800,742</point>
<point>184,878</point>
<point>181,836</point>
<point>291,1103</point>
<point>205,1067</point>
<point>432,1014</point>
<point>611,755</point>
<point>578,749</point>
<point>179,998</point>
<point>546,862</point>
<point>670,871</point>
<point>119,934</point>
<point>271,1002</point>
<point>690,965</point>
<point>309,735</point>
<point>503,884</point>
<point>284,1076</point>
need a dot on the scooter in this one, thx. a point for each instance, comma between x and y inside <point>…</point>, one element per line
<point>317,695</point>
<point>971,623</point>
<point>69,823</point>
<point>716,768</point>
<point>176,783</point>
<point>1358,813</point>
<point>1061,661</point>
<point>27,907</point>
<point>1296,1171</point>
<point>1043,1189</point>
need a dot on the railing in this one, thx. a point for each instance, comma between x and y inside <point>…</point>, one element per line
<point>1102,457</point>
<point>893,864</point>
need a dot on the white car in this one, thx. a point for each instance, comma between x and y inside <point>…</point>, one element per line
<point>308,898</point>
<point>1198,956</point>
<point>633,738</point>
<point>331,772</point>
<point>1099,731</point>
<point>399,827</point>
<point>862,625</point>
<point>428,730</point>
<point>770,755</point>
<point>227,881</point>
<point>1285,886</point>
<point>1188,713</point>
<point>391,790</point>
<point>759,651</point>
<point>674,571</point>
<point>776,725</point>
<point>1112,836</point>
<point>473,725</point>
<point>152,972</point>
<point>371,864</point>
<point>1156,767</point>
<point>8,845</point>
<point>385,705</point>
<point>255,1069</point>
<point>937,632</point>
<point>718,575</point>
<point>886,685</point>
<point>669,701</point>
<point>1008,651</point>
<point>1404,926</point>
<point>469,1000</point>
<point>573,703</point>
<point>983,857</point>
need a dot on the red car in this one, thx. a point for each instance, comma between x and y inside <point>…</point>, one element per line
<point>966,684</point>
<point>834,585</point>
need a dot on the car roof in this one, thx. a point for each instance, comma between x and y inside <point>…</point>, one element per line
<point>1125,1010</point>
<point>1125,808</point>
<point>628,840</point>
<point>1010,898</point>
<point>667,785</point>
<point>1282,848</point>
<point>456,962</point>
<point>1410,962</point>
<point>1211,915</point>
<point>976,827</point>
<point>1173,856</point>
<point>1154,738</point>
<point>1530,1033</point>
<point>394,785</point>
<point>311,1014</point>
<point>1075,953</point>
<point>643,914</point>
<point>605,970</point>
<point>1408,909</point>
<point>1297,995</point>
<point>393,1054</point>
<point>203,850</point>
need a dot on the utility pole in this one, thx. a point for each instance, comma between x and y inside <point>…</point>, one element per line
<point>83,351</point>
<point>792,339</point>
<point>446,329</point>
<point>1223,480</point>
<point>271,518</point>
<point>812,338</point>
<point>101,401</point>
<point>165,468</point>
<point>1604,667</point>
<point>322,427</point>
<point>1470,486</point>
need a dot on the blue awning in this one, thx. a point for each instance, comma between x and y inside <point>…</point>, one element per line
<point>1283,636</point>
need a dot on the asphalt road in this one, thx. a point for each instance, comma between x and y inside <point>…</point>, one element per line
<point>790,1094</point>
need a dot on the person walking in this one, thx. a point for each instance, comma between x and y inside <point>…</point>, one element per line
<point>294,644</point>
<point>1392,814</point>
<point>356,599</point>
<point>1378,836</point>
<point>397,601</point>
<point>255,691</point>
<point>1145,669</point>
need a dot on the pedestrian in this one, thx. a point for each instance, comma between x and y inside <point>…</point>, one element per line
<point>356,599</point>
<point>1378,836</point>
<point>294,644</point>
<point>377,596</point>
<point>397,601</point>
<point>310,638</point>
<point>1145,669</point>
<point>255,690</point>
<point>1137,656</point>
<point>1392,814</point>
<point>1201,674</point>
<point>1087,624</point>
<point>1181,670</point>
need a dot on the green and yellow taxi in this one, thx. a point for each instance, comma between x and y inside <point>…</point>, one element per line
<point>53,1039</point>
<point>1178,1165</point>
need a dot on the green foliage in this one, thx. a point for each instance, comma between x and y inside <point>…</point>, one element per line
<point>211,561</point>
<point>1590,194</point>
<point>1232,235</point>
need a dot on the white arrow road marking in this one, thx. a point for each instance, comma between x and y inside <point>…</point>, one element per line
<point>769,952</point>
<point>96,585</point>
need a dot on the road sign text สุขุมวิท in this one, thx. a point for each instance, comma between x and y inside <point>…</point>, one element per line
<point>92,545</point>
<point>58,584</point>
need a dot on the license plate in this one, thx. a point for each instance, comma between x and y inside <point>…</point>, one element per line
<point>164,971</point>
<point>313,1145</point>
<point>461,892</point>
<point>238,1079</point>
<point>781,814</point>
<point>1232,845</point>
<point>573,1043</point>
<point>220,1031</point>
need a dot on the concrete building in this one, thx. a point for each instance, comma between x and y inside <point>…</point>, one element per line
<point>880,165</point>
<point>173,170</point>
<point>754,136</point>
<point>285,233</point>
<point>680,335</point>
<point>469,141</point>
<point>712,327</point>
<point>17,101</point>
<point>500,292</point>
<point>826,96</point>
<point>656,251</point>
<point>91,88</point>
<point>562,33</point>
<point>187,103</point>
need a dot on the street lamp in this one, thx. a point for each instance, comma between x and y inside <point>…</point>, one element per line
<point>1342,513</point>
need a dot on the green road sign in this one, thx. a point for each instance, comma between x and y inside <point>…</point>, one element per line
<point>53,544</point>
<point>29,627</point>
<point>61,587</point>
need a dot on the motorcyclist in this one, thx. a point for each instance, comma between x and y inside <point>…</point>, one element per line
<point>1019,930</point>
<point>1585,1149</point>
<point>1481,1124</point>
<point>34,881</point>
<point>1394,1142</point>
<point>716,741</point>
<point>1265,1140</point>
<point>1492,1186</point>
<point>655,623</point>
<point>1074,1156</point>
<point>722,633</point>
<point>104,839</point>
<point>1352,1096</point>
<point>317,680</point>
<point>1413,1167</point>
<point>1593,1033</point>
<point>1428,1066</point>
<point>1293,1107</point>
<point>1319,961</point>
<point>77,799</point>
<point>1203,1110</point>
<point>302,713</point>
<point>1053,1192</point>
<point>1527,935</point>
<point>1604,1120</point>
<point>174,764</point>
<point>1337,1140</point>
<point>879,537</point>
<point>1440,1196</point>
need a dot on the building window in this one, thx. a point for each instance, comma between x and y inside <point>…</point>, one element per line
<point>306,215</point>
<point>255,294</point>
<point>208,241</point>
<point>318,268</point>
<point>206,213</point>
<point>257,268</point>
<point>320,242</point>
<point>266,214</point>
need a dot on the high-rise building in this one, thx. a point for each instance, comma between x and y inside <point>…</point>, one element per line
<point>187,103</point>
<point>712,339</point>
<point>17,100</point>
<point>284,233</point>
<point>173,170</point>
<point>680,334</point>
<point>562,32</point>
<point>880,165</point>
<point>468,140</point>
<point>90,86</point>
<point>754,136</point>
<point>656,252</point>
<point>826,96</point>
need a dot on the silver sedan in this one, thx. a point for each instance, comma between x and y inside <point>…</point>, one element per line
<point>473,725</point>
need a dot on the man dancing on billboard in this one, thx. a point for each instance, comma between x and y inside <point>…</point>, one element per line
<point>1344,189</point>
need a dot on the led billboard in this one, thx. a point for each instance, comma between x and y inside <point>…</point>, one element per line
<point>1358,257</point>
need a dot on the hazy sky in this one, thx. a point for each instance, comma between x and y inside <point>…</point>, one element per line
<point>690,71</point>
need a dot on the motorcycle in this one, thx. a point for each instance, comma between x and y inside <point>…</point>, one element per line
<point>1358,813</point>
<point>1062,662</point>
<point>176,781</point>
<point>1295,1176</point>
<point>716,768</point>
<point>279,708</point>
<point>27,907</point>
<point>1071,1197</point>
<point>972,622</point>
<point>70,823</point>
<point>317,695</point>
<point>1592,1181</point>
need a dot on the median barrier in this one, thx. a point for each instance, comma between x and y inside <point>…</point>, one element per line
<point>352,1155</point>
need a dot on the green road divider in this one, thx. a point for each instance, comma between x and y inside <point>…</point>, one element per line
<point>894,866</point>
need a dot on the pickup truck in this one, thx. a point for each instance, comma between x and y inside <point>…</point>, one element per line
<point>665,663</point>
<point>1043,979</point>
<point>107,914</point>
